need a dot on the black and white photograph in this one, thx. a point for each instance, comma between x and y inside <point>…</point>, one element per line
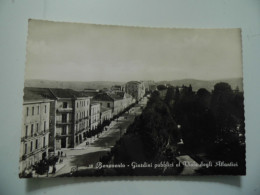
<point>107,100</point>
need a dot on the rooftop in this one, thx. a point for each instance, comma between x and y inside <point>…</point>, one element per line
<point>115,96</point>
<point>103,97</point>
<point>34,93</point>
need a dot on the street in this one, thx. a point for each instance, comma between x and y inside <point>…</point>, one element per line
<point>84,155</point>
<point>190,165</point>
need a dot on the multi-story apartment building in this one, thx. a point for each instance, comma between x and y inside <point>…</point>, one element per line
<point>82,118</point>
<point>116,101</point>
<point>105,114</point>
<point>124,98</point>
<point>69,116</point>
<point>94,115</point>
<point>105,100</point>
<point>136,89</point>
<point>35,132</point>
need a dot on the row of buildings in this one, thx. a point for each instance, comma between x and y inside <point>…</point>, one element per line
<point>61,118</point>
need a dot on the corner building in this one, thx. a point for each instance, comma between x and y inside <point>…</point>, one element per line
<point>69,116</point>
<point>34,143</point>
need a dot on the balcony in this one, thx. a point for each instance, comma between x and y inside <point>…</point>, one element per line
<point>69,122</point>
<point>59,136</point>
<point>81,130</point>
<point>64,110</point>
<point>95,121</point>
<point>42,149</point>
<point>35,135</point>
<point>81,120</point>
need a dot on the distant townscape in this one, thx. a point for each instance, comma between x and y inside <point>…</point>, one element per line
<point>65,130</point>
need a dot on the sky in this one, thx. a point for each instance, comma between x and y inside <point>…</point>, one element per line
<point>88,52</point>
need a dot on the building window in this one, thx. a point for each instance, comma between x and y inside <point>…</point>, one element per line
<point>44,141</point>
<point>31,129</point>
<point>26,130</point>
<point>65,104</point>
<point>64,118</point>
<point>32,110</point>
<point>44,126</point>
<point>31,148</point>
<point>45,109</point>
<point>38,109</point>
<point>36,144</point>
<point>37,127</point>
<point>27,111</point>
<point>64,130</point>
<point>77,104</point>
<point>25,148</point>
<point>108,105</point>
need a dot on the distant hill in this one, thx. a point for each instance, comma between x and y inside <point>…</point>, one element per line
<point>196,84</point>
<point>209,85</point>
<point>70,84</point>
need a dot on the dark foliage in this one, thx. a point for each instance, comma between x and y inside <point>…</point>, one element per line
<point>150,135</point>
<point>42,167</point>
<point>212,123</point>
<point>161,87</point>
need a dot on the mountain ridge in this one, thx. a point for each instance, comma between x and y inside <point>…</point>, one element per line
<point>81,85</point>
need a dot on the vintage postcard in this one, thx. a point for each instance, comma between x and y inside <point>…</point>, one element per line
<point>103,100</point>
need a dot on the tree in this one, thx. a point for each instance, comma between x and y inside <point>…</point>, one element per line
<point>153,130</point>
<point>161,87</point>
<point>221,104</point>
<point>169,98</point>
<point>222,88</point>
<point>203,98</point>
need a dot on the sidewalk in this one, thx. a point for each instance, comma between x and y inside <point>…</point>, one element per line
<point>93,139</point>
<point>58,166</point>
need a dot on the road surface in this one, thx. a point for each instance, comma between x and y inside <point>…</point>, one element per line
<point>83,155</point>
<point>190,165</point>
